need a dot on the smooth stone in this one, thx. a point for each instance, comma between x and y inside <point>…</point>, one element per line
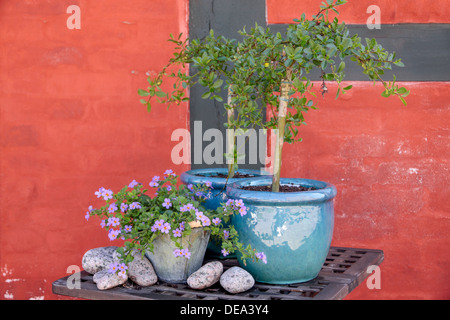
<point>107,280</point>
<point>141,271</point>
<point>206,276</point>
<point>97,259</point>
<point>236,280</point>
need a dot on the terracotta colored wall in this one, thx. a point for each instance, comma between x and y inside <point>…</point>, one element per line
<point>388,162</point>
<point>71,122</point>
<point>355,11</point>
<point>390,166</point>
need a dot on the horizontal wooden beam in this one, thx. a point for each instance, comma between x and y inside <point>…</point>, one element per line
<point>423,48</point>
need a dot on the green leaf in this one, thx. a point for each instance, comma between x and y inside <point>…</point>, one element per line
<point>160,94</point>
<point>403,100</point>
<point>386,93</point>
<point>206,95</point>
<point>402,90</point>
<point>398,63</point>
<point>345,43</point>
<point>143,93</point>
<point>218,98</point>
<point>218,83</point>
<point>341,67</point>
<point>331,51</point>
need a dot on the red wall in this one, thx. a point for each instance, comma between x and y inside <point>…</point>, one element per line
<point>70,122</point>
<point>388,162</point>
<point>355,11</point>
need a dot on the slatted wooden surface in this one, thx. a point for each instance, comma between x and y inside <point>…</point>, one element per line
<point>343,270</point>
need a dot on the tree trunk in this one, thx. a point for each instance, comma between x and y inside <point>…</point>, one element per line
<point>231,158</point>
<point>285,87</point>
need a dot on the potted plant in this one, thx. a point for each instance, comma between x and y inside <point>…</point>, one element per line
<point>293,219</point>
<point>212,61</point>
<point>171,228</point>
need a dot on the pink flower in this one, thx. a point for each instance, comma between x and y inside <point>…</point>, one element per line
<point>200,216</point>
<point>133,184</point>
<point>261,256</point>
<point>186,253</point>
<point>113,234</point>
<point>113,222</point>
<point>159,224</point>
<point>206,221</point>
<point>177,233</point>
<point>107,194</point>
<point>165,228</point>
<point>122,274</point>
<point>167,204</point>
<point>177,253</point>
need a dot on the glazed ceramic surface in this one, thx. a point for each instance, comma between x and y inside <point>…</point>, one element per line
<point>293,229</point>
<point>217,196</point>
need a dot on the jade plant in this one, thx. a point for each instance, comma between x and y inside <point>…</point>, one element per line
<point>270,69</point>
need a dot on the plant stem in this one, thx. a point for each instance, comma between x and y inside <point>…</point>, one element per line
<point>230,138</point>
<point>285,87</point>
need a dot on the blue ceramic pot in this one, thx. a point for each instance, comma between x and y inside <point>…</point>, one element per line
<point>293,229</point>
<point>217,195</point>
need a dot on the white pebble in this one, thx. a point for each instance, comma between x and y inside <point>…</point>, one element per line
<point>206,276</point>
<point>97,259</point>
<point>236,280</point>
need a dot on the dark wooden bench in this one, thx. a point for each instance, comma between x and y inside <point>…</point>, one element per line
<point>343,270</point>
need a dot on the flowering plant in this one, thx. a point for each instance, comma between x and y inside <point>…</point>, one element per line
<point>132,215</point>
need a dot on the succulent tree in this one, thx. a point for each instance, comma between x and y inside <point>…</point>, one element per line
<point>274,68</point>
<point>271,69</point>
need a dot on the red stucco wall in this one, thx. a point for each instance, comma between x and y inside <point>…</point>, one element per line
<point>355,11</point>
<point>70,122</point>
<point>388,162</point>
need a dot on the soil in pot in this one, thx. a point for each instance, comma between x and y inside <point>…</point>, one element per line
<point>236,175</point>
<point>283,188</point>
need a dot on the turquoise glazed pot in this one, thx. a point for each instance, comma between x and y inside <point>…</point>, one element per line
<point>293,229</point>
<point>217,195</point>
